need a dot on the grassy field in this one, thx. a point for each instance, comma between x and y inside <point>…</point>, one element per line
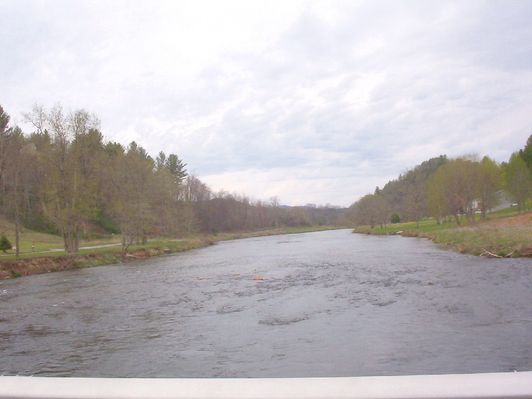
<point>33,243</point>
<point>505,233</point>
<point>41,241</point>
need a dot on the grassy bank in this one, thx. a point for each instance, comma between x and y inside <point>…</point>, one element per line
<point>503,235</point>
<point>54,262</point>
<point>108,253</point>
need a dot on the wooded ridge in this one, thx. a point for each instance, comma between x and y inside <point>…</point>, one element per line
<point>64,178</point>
<point>443,187</point>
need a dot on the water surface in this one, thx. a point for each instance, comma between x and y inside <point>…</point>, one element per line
<point>317,304</point>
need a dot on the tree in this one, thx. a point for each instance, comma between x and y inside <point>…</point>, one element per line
<point>526,153</point>
<point>436,197</point>
<point>455,187</point>
<point>130,189</point>
<point>195,195</point>
<point>5,245</point>
<point>489,182</point>
<point>415,206</point>
<point>4,142</point>
<point>407,195</point>
<point>518,180</point>
<point>4,120</point>
<point>19,160</point>
<point>176,167</point>
<point>160,161</point>
<point>15,163</point>
<point>63,178</point>
<point>370,210</point>
<point>68,194</point>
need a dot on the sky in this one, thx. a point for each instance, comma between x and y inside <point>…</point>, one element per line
<point>310,102</point>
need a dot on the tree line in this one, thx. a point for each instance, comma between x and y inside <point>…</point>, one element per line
<point>442,188</point>
<point>64,178</point>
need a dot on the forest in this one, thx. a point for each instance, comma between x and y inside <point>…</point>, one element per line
<point>64,178</point>
<point>458,188</point>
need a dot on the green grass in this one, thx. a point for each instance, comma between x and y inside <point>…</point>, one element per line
<point>173,245</point>
<point>474,238</point>
<point>32,243</point>
<point>428,225</point>
<point>41,241</point>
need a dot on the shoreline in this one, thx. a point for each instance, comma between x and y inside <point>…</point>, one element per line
<point>509,237</point>
<point>14,268</point>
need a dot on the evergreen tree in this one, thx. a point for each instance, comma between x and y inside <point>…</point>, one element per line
<point>5,245</point>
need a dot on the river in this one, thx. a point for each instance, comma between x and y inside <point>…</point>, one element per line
<point>317,304</point>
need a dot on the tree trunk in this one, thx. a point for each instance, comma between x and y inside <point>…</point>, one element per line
<point>17,235</point>
<point>71,239</point>
<point>124,248</point>
<point>144,238</point>
<point>17,221</point>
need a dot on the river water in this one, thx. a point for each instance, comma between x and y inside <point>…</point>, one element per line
<point>317,304</point>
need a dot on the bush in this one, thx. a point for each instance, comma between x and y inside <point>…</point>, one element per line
<point>5,244</point>
<point>395,218</point>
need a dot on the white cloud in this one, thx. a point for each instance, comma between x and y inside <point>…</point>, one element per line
<point>308,101</point>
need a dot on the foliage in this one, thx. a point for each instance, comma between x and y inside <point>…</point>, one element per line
<point>64,178</point>
<point>395,218</point>
<point>442,187</point>
<point>526,153</point>
<point>5,244</point>
<point>406,197</point>
<point>518,180</point>
<point>371,209</point>
<point>454,187</point>
<point>489,183</point>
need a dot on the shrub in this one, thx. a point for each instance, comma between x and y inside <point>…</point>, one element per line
<point>395,218</point>
<point>5,244</point>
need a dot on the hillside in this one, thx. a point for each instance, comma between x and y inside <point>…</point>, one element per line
<point>40,241</point>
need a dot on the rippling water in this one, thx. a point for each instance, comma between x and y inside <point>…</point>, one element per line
<point>317,304</point>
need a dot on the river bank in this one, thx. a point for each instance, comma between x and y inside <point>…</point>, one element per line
<point>507,237</point>
<point>107,255</point>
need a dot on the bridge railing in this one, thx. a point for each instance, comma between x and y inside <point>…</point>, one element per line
<point>478,386</point>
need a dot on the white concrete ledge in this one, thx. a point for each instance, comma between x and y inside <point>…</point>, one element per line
<point>488,385</point>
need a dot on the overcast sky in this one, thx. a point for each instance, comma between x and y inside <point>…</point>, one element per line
<point>312,102</point>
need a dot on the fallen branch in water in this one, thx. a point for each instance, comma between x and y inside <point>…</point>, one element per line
<point>492,255</point>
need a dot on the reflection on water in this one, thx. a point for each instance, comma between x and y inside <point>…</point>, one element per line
<point>316,304</point>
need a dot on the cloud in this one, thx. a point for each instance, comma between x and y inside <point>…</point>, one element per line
<point>307,101</point>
